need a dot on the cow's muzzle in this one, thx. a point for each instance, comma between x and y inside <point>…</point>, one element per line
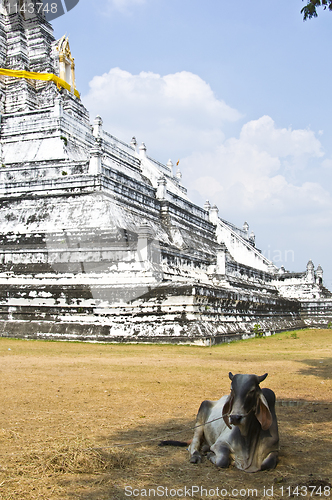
<point>236,419</point>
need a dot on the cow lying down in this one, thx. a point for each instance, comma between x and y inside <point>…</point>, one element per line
<point>240,428</point>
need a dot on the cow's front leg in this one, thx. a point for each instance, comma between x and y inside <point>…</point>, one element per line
<point>219,455</point>
<point>202,416</point>
<point>194,448</point>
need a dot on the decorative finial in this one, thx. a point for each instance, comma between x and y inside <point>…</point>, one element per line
<point>142,150</point>
<point>169,164</point>
<point>207,205</point>
<point>252,238</point>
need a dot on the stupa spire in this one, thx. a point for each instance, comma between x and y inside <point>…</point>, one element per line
<point>30,58</point>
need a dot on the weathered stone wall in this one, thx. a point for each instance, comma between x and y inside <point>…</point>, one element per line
<point>176,313</point>
<point>317,313</point>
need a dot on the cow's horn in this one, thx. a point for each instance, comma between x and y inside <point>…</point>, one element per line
<point>263,377</point>
<point>231,376</point>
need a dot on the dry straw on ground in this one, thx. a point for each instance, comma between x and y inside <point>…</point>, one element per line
<point>76,457</point>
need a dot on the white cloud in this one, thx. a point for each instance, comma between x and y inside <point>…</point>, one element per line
<point>327,164</point>
<point>173,113</point>
<point>280,142</point>
<point>249,172</point>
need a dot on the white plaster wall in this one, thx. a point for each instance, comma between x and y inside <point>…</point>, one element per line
<point>240,249</point>
<point>151,170</point>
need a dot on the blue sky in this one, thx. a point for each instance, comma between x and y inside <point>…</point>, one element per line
<point>238,91</point>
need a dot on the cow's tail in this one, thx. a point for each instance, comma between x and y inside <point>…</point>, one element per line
<point>175,443</point>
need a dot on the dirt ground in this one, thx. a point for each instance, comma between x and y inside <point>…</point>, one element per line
<point>66,406</point>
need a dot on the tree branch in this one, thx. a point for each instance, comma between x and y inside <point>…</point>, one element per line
<point>310,10</point>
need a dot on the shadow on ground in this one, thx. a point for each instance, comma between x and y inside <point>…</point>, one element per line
<point>305,459</point>
<point>321,368</point>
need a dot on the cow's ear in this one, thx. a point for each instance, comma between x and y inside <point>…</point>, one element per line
<point>263,413</point>
<point>227,409</point>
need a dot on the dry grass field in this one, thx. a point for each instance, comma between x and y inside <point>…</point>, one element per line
<point>65,406</point>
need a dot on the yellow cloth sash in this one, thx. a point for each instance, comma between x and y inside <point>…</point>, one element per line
<point>39,76</point>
